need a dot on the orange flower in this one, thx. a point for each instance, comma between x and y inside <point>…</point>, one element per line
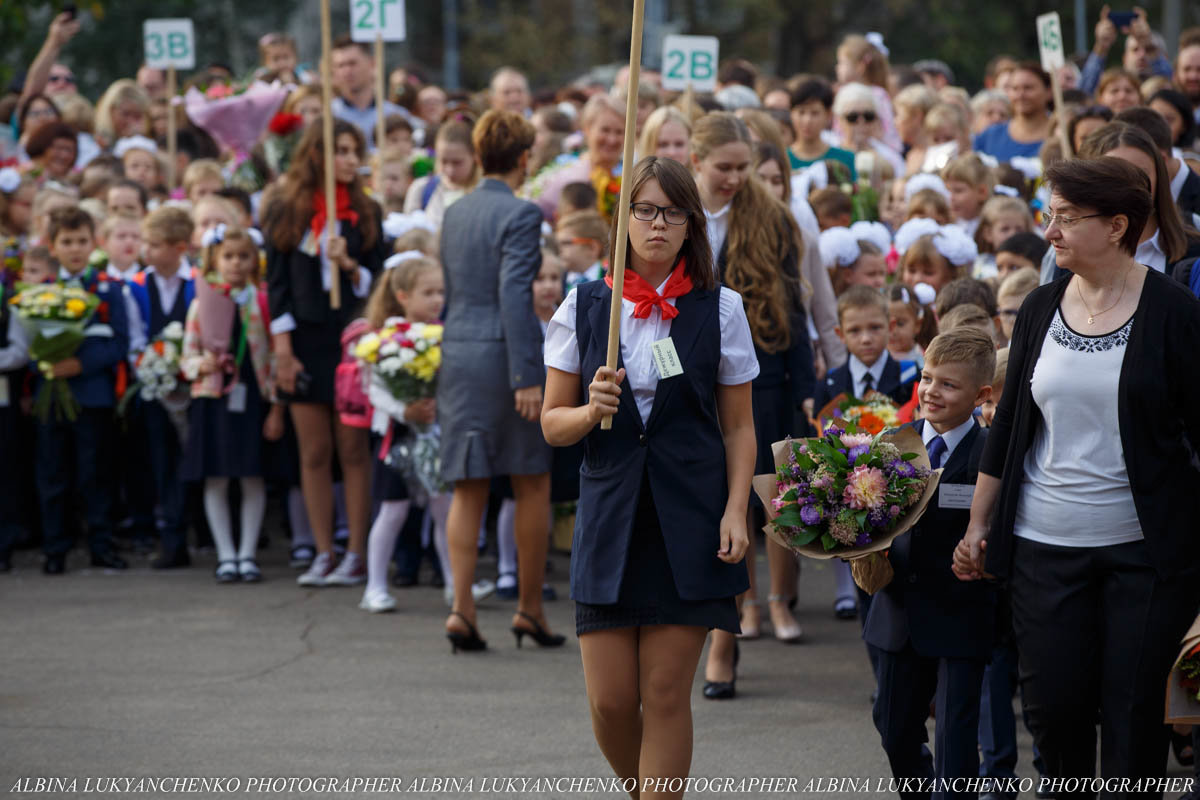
<point>870,423</point>
<point>159,347</point>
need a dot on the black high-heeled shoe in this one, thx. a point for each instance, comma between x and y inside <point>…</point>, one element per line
<point>465,641</point>
<point>540,635</point>
<point>724,690</point>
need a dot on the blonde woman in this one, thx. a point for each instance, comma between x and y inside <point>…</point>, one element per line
<point>665,134</point>
<point>757,249</point>
<point>123,110</point>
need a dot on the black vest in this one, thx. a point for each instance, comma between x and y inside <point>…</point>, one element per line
<point>159,320</point>
<point>679,448</point>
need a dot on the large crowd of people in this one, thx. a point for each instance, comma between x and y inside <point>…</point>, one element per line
<point>790,239</point>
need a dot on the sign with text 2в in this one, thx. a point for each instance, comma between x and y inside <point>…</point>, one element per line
<point>1050,42</point>
<point>169,43</point>
<point>689,60</point>
<point>369,17</point>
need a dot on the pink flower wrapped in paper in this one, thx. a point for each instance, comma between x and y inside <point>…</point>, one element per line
<point>215,308</point>
<point>236,121</point>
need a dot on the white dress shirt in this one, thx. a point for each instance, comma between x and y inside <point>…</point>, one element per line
<point>718,226</point>
<point>738,363</point>
<point>168,289</point>
<point>1179,179</point>
<point>1150,253</point>
<point>859,370</point>
<point>951,437</point>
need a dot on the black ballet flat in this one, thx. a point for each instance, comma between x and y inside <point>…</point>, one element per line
<point>724,690</point>
<point>539,634</point>
<point>469,642</point>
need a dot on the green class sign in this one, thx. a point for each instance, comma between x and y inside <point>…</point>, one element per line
<point>689,61</point>
<point>371,17</point>
<point>169,43</point>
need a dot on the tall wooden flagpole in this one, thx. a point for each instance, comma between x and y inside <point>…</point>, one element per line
<point>380,86</point>
<point>618,265</point>
<point>335,281</point>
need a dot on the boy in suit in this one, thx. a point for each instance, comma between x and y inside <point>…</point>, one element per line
<point>163,295</point>
<point>931,634</point>
<point>863,326</point>
<point>72,455</point>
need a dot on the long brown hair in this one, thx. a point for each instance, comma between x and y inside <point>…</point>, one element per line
<point>288,207</point>
<point>761,235</point>
<point>679,187</point>
<point>1171,236</point>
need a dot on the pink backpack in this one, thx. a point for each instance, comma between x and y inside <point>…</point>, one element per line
<point>349,395</point>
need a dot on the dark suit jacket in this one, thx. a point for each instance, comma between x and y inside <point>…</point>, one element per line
<point>491,253</point>
<point>897,382</point>
<point>942,616</point>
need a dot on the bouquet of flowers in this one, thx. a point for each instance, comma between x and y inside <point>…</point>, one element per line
<point>874,413</point>
<point>215,309</point>
<point>1183,684</point>
<point>55,317</point>
<point>159,373</point>
<point>403,358</point>
<point>608,191</point>
<point>235,117</point>
<point>847,494</point>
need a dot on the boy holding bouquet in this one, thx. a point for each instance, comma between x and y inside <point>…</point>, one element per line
<point>71,453</point>
<point>929,633</point>
<point>163,293</point>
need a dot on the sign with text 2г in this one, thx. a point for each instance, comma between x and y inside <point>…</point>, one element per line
<point>689,60</point>
<point>369,17</point>
<point>169,43</point>
<point>1050,42</point>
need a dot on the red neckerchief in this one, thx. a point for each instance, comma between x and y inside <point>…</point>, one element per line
<point>644,297</point>
<point>344,211</point>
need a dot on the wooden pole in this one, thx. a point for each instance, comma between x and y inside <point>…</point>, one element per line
<point>335,279</point>
<point>1060,111</point>
<point>618,265</point>
<point>380,134</point>
<point>171,129</point>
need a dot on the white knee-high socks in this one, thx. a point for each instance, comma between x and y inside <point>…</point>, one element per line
<point>845,580</point>
<point>439,510</point>
<point>216,509</point>
<point>506,537</point>
<point>298,516</point>
<point>381,541</point>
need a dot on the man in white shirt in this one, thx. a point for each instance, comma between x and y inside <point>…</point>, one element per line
<point>354,84</point>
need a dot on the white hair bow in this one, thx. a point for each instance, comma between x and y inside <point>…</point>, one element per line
<point>875,39</point>
<point>923,292</point>
<point>400,258</point>
<point>10,179</point>
<point>925,180</point>
<point>839,247</point>
<point>874,232</point>
<point>1007,191</point>
<point>214,235</point>
<point>396,224</point>
<point>123,146</point>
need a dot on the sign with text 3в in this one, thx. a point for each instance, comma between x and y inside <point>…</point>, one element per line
<point>369,17</point>
<point>689,60</point>
<point>169,43</point>
<point>1050,41</point>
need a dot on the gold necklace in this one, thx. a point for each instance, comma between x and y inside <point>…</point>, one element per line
<point>1091,316</point>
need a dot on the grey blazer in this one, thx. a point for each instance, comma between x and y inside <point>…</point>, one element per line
<point>491,250</point>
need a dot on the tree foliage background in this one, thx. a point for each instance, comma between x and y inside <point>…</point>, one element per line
<point>556,40</point>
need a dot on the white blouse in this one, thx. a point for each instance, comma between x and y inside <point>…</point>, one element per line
<point>1076,490</point>
<point>738,362</point>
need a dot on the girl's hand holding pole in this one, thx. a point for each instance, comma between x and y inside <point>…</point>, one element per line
<point>604,393</point>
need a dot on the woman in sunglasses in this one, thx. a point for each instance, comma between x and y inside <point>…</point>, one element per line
<point>860,124</point>
<point>660,532</point>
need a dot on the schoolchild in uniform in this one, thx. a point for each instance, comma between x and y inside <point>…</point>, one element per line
<point>931,634</point>
<point>90,373</point>
<point>660,532</point>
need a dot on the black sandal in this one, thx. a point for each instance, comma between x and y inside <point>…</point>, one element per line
<point>1181,745</point>
<point>465,641</point>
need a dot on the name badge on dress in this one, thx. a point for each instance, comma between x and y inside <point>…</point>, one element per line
<point>666,359</point>
<point>955,495</point>
<point>237,398</point>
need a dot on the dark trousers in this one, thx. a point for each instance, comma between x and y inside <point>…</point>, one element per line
<point>409,550</point>
<point>75,455</point>
<point>13,463</point>
<point>166,453</point>
<point>907,684</point>
<point>997,722</point>
<point>1097,628</point>
<point>132,462</point>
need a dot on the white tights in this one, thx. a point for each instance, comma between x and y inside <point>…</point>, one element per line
<point>216,509</point>
<point>385,530</point>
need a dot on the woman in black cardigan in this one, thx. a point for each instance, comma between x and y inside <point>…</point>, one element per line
<point>1089,490</point>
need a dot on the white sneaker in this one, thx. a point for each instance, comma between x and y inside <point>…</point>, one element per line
<point>350,572</point>
<point>318,572</point>
<point>377,602</point>
<point>480,590</point>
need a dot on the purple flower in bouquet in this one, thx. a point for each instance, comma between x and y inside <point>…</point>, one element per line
<point>236,121</point>
<point>902,468</point>
<point>810,514</point>
<point>854,453</point>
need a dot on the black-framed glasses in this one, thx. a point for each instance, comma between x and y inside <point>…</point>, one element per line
<point>648,212</point>
<point>866,116</point>
<point>1066,222</point>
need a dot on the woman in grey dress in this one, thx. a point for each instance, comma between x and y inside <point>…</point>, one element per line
<point>490,388</point>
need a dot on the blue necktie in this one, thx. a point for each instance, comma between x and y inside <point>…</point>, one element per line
<point>937,451</point>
